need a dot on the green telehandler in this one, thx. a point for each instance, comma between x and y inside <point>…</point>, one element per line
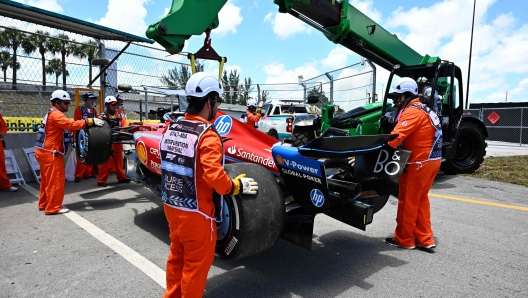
<point>464,135</point>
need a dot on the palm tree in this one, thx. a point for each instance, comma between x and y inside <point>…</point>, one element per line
<point>38,42</point>
<point>55,67</point>
<point>12,38</point>
<point>63,45</point>
<point>6,61</point>
<point>88,50</point>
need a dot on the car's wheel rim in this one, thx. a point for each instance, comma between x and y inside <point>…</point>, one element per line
<point>82,141</point>
<point>224,228</point>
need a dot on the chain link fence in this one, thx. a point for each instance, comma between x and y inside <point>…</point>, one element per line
<point>36,60</point>
<point>504,124</point>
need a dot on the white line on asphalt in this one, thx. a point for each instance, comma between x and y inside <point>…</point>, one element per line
<point>150,269</point>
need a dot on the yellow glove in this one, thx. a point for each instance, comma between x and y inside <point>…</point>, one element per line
<point>94,121</point>
<point>244,185</point>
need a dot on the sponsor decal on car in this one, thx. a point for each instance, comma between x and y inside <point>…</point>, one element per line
<point>301,175</point>
<point>232,149</point>
<point>250,156</point>
<point>223,125</point>
<point>292,164</point>
<point>317,197</point>
<point>391,167</point>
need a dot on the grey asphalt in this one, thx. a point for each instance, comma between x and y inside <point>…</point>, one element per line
<point>480,228</point>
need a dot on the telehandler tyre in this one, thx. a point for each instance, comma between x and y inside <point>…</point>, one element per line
<point>471,149</point>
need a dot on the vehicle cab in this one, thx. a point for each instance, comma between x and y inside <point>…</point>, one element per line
<point>277,118</point>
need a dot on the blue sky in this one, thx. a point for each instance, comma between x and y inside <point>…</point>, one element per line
<point>272,47</point>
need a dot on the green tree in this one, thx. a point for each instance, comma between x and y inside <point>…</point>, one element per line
<point>55,67</point>
<point>177,79</point>
<point>317,91</point>
<point>231,85</point>
<point>12,38</point>
<point>6,61</point>
<point>264,96</point>
<point>246,89</point>
<point>66,47</point>
<point>38,42</point>
<point>90,51</point>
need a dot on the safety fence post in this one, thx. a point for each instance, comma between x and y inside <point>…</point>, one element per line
<point>40,100</point>
<point>521,130</point>
<point>331,78</point>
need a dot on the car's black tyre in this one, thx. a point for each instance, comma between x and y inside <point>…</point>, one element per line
<point>273,133</point>
<point>250,223</point>
<point>301,135</point>
<point>94,144</point>
<point>471,149</point>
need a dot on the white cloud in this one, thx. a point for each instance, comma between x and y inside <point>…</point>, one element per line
<point>285,25</point>
<point>50,5</point>
<point>499,63</point>
<point>274,69</point>
<point>367,8</point>
<point>166,11</point>
<point>282,84</point>
<point>126,15</point>
<point>337,58</point>
<point>428,29</point>
<point>229,18</point>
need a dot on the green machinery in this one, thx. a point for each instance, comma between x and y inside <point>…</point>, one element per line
<point>464,135</point>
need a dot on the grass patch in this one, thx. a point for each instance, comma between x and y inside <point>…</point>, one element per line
<point>512,170</point>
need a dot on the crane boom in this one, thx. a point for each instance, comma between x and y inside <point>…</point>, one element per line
<point>339,21</point>
<point>342,23</point>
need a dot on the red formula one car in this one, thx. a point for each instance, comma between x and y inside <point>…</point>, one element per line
<point>295,184</point>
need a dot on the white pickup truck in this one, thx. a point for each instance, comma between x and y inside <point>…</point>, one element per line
<point>277,119</point>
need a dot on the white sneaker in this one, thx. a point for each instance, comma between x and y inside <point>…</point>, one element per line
<point>63,210</point>
<point>11,189</point>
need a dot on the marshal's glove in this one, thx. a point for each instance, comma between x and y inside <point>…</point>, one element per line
<point>259,108</point>
<point>94,121</point>
<point>244,185</point>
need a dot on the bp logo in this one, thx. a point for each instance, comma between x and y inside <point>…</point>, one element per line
<point>223,124</point>
<point>317,197</point>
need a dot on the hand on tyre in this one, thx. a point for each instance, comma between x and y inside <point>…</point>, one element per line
<point>244,185</point>
<point>94,121</point>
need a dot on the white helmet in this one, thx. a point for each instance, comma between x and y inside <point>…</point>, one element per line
<point>422,80</point>
<point>405,84</point>
<point>200,84</point>
<point>251,103</point>
<point>60,94</point>
<point>110,99</point>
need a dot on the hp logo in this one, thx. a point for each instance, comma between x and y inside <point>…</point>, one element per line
<point>223,124</point>
<point>317,197</point>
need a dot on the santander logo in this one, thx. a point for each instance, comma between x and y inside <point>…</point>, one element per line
<point>232,149</point>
